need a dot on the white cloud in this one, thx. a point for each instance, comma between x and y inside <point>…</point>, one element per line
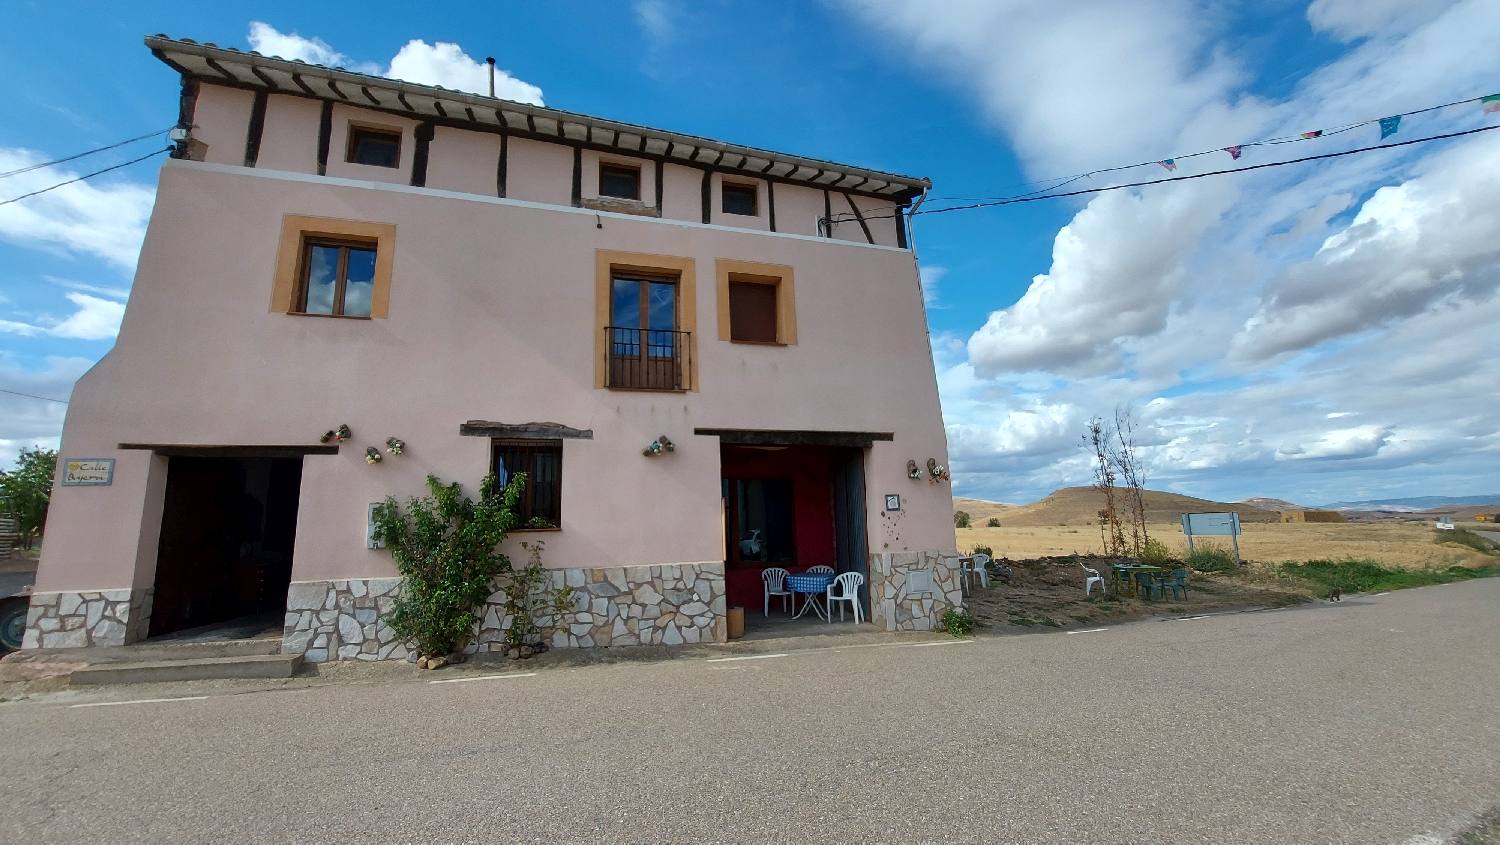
<point>104,219</point>
<point>656,21</point>
<point>1116,269</point>
<point>34,422</point>
<point>1351,19</point>
<point>95,319</point>
<point>1358,442</point>
<point>931,277</point>
<point>446,64</point>
<point>441,63</point>
<point>266,40</point>
<point>1409,246</point>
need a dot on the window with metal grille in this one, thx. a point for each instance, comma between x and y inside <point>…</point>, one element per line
<point>752,312</point>
<point>739,199</point>
<point>617,180</point>
<point>540,505</point>
<point>378,147</point>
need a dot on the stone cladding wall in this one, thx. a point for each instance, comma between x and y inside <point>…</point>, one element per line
<point>635,605</point>
<point>341,620</point>
<point>88,618</point>
<point>895,607</point>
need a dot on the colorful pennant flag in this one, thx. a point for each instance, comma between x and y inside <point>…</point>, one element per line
<point>1234,152</point>
<point>1491,103</point>
<point>1170,164</point>
<point>1388,126</point>
<point>1312,134</point>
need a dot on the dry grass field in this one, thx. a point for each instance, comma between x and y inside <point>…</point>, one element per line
<point>1404,545</point>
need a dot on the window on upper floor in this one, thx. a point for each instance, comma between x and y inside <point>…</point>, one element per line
<point>646,349</point>
<point>752,311</point>
<point>540,505</point>
<point>619,181</point>
<point>380,147</point>
<point>739,199</point>
<point>337,278</point>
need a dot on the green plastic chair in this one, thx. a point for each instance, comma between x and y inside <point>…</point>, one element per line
<point>1147,586</point>
<point>1177,583</point>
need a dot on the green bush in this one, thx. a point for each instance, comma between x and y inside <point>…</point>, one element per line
<point>445,549</point>
<point>958,622</point>
<point>983,550</point>
<point>961,519</point>
<point>1210,557</point>
<point>1366,576</point>
<point>27,490</point>
<point>1465,537</point>
<point>1156,553</point>
<point>994,522</point>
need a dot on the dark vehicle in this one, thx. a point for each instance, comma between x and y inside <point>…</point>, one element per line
<point>13,607</point>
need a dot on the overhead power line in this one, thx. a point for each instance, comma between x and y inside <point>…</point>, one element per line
<point>30,396</point>
<point>85,176</point>
<point>842,218</point>
<point>30,168</point>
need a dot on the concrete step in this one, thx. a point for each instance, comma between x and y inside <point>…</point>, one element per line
<point>190,669</point>
<point>152,650</point>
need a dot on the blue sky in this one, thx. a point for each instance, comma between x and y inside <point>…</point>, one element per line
<point>1315,333</point>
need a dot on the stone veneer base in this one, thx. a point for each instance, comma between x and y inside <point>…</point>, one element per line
<point>670,604</point>
<point>895,607</point>
<point>88,618</point>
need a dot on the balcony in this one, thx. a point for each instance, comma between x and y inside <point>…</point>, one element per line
<point>647,359</point>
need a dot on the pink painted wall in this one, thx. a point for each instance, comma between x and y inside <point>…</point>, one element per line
<point>682,193</point>
<point>539,172</point>
<point>338,146</point>
<point>289,139</point>
<point>221,119</point>
<point>798,209</point>
<point>589,183</point>
<point>459,160</point>
<point>761,221</point>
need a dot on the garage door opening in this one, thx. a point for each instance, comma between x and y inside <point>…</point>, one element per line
<point>227,532</point>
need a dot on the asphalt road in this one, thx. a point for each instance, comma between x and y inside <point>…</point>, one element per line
<point>1372,720</point>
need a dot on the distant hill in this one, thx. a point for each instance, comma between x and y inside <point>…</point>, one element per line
<point>1081,506</point>
<point>1279,505</point>
<point>980,511</point>
<point>1415,504</point>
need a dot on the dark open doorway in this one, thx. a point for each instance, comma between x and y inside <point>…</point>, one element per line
<point>791,507</point>
<point>228,528</point>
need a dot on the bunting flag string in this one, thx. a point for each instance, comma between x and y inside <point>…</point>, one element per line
<point>1388,126</point>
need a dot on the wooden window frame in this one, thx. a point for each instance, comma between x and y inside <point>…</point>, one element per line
<point>304,266</point>
<point>526,505</point>
<point>780,275</point>
<point>609,263</point>
<point>726,185</point>
<point>296,228</point>
<point>353,132</point>
<point>615,165</point>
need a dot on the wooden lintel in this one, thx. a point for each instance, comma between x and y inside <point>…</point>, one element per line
<point>187,450</point>
<point>763,437</point>
<point>523,431</point>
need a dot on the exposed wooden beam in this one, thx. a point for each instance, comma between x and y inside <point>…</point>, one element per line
<point>523,431</point>
<point>860,217</point>
<point>762,437</point>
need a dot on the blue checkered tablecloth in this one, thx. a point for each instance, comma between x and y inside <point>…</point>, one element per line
<point>817,583</point>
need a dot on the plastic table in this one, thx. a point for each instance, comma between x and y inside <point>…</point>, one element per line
<point>810,587</point>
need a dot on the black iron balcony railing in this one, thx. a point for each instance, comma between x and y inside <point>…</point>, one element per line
<point>647,359</point>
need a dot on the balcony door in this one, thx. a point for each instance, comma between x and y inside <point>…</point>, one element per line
<point>646,349</point>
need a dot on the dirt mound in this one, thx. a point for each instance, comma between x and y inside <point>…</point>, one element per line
<point>980,510</point>
<point>1081,506</point>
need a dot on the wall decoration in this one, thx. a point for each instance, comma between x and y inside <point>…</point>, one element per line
<point>342,433</point>
<point>658,446</point>
<point>912,472</point>
<point>372,455</point>
<point>394,445</point>
<point>88,472</point>
<point>936,474</point>
<point>893,501</point>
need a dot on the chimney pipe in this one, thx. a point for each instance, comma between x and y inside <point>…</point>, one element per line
<point>490,60</point>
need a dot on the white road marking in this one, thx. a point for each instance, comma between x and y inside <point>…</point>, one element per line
<point>140,701</point>
<point>746,657</point>
<point>1087,631</point>
<point>482,678</point>
<point>1386,593</point>
<point>926,645</point>
<point>1191,618</point>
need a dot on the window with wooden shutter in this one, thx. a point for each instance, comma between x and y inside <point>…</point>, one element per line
<point>752,312</point>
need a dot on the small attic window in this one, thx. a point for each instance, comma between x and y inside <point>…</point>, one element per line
<point>374,146</point>
<point>620,181</point>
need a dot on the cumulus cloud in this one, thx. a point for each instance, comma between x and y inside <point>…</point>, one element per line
<point>441,63</point>
<point>103,219</point>
<point>1409,246</point>
<point>1116,269</point>
<point>1351,19</point>
<point>95,319</point>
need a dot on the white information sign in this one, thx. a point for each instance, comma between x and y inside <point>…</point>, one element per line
<point>1213,525</point>
<point>88,472</point>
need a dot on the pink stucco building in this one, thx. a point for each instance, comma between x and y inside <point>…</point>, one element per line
<point>497,286</point>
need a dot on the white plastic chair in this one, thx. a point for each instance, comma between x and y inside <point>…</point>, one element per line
<point>1092,579</point>
<point>848,586</point>
<point>820,569</point>
<point>980,565</point>
<point>774,579</point>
